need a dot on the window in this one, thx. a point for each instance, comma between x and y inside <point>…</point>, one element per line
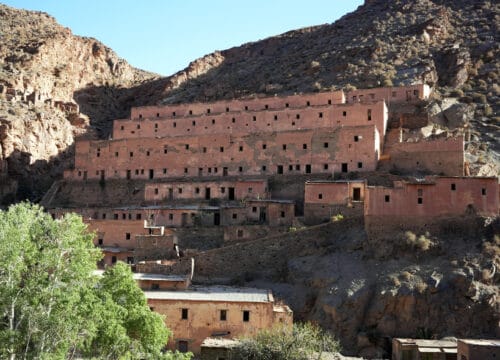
<point>264,146</point>
<point>233,120</point>
<point>164,170</point>
<point>304,146</point>
<point>213,121</point>
<point>297,116</point>
<point>483,191</point>
<point>369,114</point>
<point>293,123</point>
<point>387,198</point>
<point>246,315</point>
<point>147,153</point>
<point>179,190</point>
<point>186,146</point>
<point>360,165</point>
<point>104,216</point>
<point>156,191</point>
<point>208,111</point>
<point>193,123</point>
<point>174,124</point>
<point>290,167</point>
<point>420,200</point>
<point>325,166</point>
<point>282,214</point>
<point>227,109</point>
<point>344,113</point>
<point>182,346</point>
<point>284,146</point>
<point>116,153</point>
<point>131,154</point>
<point>204,149</point>
<point>235,216</point>
<point>356,138</point>
<point>354,98</point>
<point>100,241</point>
<point>221,149</point>
<point>320,115</point>
<point>185,170</point>
<point>190,112</point>
<point>138,126</point>
<point>223,313</point>
<point>344,167</point>
<point>297,167</point>
<point>124,217</point>
<point>240,168</point>
<point>264,168</point>
<point>287,105</point>
<point>223,190</point>
<point>453,187</point>
<point>122,127</point>
<point>155,286</point>
<point>254,118</point>
<point>246,107</point>
<point>308,103</point>
<point>170,216</point>
<point>241,148</point>
<point>240,233</point>
<point>325,145</point>
<point>320,196</point>
<point>266,106</point>
<point>254,209</point>
<point>127,236</point>
<point>197,190</point>
<point>138,216</point>
<point>115,216</point>
<point>184,314</point>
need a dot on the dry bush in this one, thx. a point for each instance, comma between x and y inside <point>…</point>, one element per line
<point>406,275</point>
<point>395,281</point>
<point>422,242</point>
<point>420,286</point>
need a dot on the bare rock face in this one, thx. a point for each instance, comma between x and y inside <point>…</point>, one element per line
<point>42,66</point>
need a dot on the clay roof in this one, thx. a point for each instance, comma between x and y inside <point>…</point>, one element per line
<point>212,293</point>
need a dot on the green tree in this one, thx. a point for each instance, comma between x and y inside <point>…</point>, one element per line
<point>53,306</point>
<point>46,267</point>
<point>302,342</point>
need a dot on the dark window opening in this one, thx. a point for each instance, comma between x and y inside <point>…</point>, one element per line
<point>308,103</point>
<point>369,114</point>
<point>344,113</point>
<point>246,107</point>
<point>264,146</point>
<point>254,118</point>
<point>360,165</point>
<point>356,138</point>
<point>280,169</point>
<point>344,167</point>
<point>304,146</point>
<point>122,127</point>
<point>320,114</point>
<point>254,209</point>
<point>155,286</point>
<point>356,194</point>
<point>207,193</point>
<point>235,216</point>
<point>308,168</point>
<point>282,214</point>
<point>213,121</point>
<point>483,191</point>
<point>182,346</point>
<point>151,173</point>
<point>194,123</point>
<point>184,314</point>
<point>127,236</point>
<point>284,146</point>
<point>138,216</point>
<point>174,124</point>
<point>297,116</point>
<point>223,313</point>
<point>241,148</point>
<point>264,168</point>
<point>221,149</point>
<point>240,168</point>
<point>100,241</point>
<point>266,106</point>
<point>113,259</point>
<point>186,146</point>
<point>170,216</point>
<point>227,109</point>
<point>156,191</point>
<point>329,102</point>
<point>246,315</point>
<point>297,167</point>
<point>275,117</point>
<point>325,166</point>
<point>240,233</point>
<point>138,126</point>
<point>287,105</point>
<point>420,200</point>
<point>231,195</point>
<point>131,154</point>
<point>185,170</point>
<point>387,198</point>
<point>233,120</point>
<point>320,196</point>
<point>208,111</point>
<point>325,145</point>
<point>453,187</point>
<point>190,112</point>
<point>290,167</point>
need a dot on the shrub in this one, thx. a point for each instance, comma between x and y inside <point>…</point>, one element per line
<point>337,217</point>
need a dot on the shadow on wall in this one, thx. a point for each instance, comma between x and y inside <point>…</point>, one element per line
<point>34,179</point>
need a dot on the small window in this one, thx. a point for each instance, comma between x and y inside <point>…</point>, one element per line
<point>227,109</point>
<point>246,315</point>
<point>241,148</point>
<point>356,138</point>
<point>329,102</point>
<point>233,120</point>
<point>483,191</point>
<point>282,214</point>
<point>156,191</point>
<point>208,111</point>
<point>250,190</point>
<point>174,124</point>
<point>453,187</point>
<point>193,123</point>
<point>320,196</point>
<point>297,167</point>
<point>420,200</point>
<point>173,113</point>
<point>275,117</point>
<point>184,314</point>
<point>293,123</point>
<point>155,286</point>
<point>304,146</point>
<point>297,116</point>
<point>124,217</point>
<point>344,113</point>
<point>179,190</point>
<point>127,236</point>
<point>138,126</point>
<point>148,153</point>
<point>116,153</point>
<point>185,170</point>
<point>369,114</point>
<point>290,167</point>
<point>221,149</point>
<point>204,149</point>
<point>246,107</point>
<point>320,115</point>
<point>122,127</point>
<point>264,146</point>
<point>287,105</point>
<point>186,146</point>
<point>284,146</point>
<point>170,216</point>
<point>325,166</point>
<point>223,313</point>
<point>387,198</point>
<point>213,121</point>
<point>140,116</point>
<point>164,170</point>
<point>264,168</point>
<point>254,118</point>
<point>325,145</point>
<point>308,103</point>
<point>240,168</point>
<point>360,165</point>
<point>190,112</point>
<point>138,216</point>
<point>100,241</point>
<point>240,233</point>
<point>235,216</point>
<point>254,209</point>
<point>131,154</point>
<point>223,190</point>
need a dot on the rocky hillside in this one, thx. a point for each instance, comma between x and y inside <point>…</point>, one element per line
<point>49,87</point>
<point>54,85</point>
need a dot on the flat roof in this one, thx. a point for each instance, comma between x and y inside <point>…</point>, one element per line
<point>212,293</point>
<point>425,343</point>
<point>219,343</point>
<point>482,342</point>
<point>146,276</point>
<point>334,181</point>
<point>167,207</point>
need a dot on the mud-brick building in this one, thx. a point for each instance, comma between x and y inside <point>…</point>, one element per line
<point>198,312</point>
<point>390,95</point>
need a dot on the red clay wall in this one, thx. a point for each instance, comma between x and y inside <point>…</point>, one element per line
<point>247,122</point>
<point>443,196</point>
<point>389,94</point>
<point>243,189</point>
<point>333,192</point>
<point>223,106</point>
<point>443,156</point>
<point>319,151</point>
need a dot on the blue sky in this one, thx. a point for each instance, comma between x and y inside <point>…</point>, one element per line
<point>163,36</point>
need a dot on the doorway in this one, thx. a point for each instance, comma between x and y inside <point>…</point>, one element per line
<point>231,193</point>
<point>356,194</point>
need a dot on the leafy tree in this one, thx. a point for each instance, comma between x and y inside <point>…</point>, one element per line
<point>46,266</point>
<point>302,342</point>
<point>52,306</point>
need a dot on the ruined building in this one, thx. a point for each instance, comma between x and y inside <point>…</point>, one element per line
<point>181,178</point>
